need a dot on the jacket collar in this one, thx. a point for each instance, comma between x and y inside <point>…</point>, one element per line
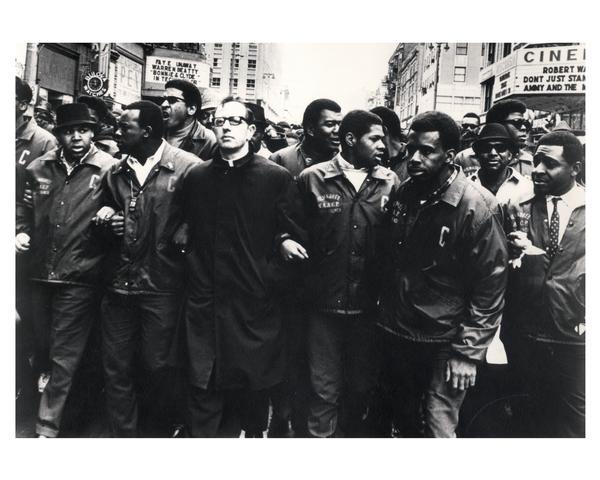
<point>218,161</point>
<point>335,168</point>
<point>164,162</point>
<point>576,197</point>
<point>27,131</point>
<point>455,190</point>
<point>90,157</point>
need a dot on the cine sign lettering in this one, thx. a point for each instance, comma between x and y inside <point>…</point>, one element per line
<point>162,69</point>
<point>551,70</point>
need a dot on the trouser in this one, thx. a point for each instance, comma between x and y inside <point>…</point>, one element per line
<point>423,403</point>
<point>68,311</point>
<point>342,357</point>
<point>290,398</point>
<point>554,377</point>
<point>224,413</point>
<point>141,324</point>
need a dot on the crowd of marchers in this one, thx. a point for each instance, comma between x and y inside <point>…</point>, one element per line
<point>346,285</point>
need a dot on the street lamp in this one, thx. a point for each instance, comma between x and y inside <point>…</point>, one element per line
<point>269,77</point>
<point>438,47</point>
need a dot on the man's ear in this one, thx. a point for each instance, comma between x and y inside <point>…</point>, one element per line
<point>191,110</point>
<point>23,106</point>
<point>575,169</point>
<point>147,132</point>
<point>251,130</point>
<point>350,139</point>
<point>450,154</point>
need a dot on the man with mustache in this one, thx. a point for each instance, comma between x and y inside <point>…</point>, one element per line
<point>443,295</point>
<point>546,297</point>
<point>493,147</point>
<point>181,107</point>
<point>342,214</point>
<point>510,113</point>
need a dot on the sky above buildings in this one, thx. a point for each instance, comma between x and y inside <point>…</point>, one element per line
<point>344,72</point>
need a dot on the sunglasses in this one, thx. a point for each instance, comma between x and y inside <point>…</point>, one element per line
<point>470,126</point>
<point>170,100</point>
<point>233,121</point>
<point>488,147</point>
<point>519,123</point>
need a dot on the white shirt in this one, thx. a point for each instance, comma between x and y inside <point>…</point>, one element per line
<point>356,176</point>
<point>142,171</point>
<point>568,202</point>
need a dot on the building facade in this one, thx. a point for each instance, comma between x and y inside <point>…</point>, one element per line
<point>440,76</point>
<point>549,78</point>
<point>251,71</point>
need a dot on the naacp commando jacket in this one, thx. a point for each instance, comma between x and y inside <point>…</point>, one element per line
<point>447,268</point>
<point>546,298</point>
<point>236,215</point>
<point>64,246</point>
<point>344,230</point>
<point>145,259</point>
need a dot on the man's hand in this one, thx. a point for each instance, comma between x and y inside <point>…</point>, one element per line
<point>461,372</point>
<point>28,197</point>
<point>117,224</point>
<point>517,243</point>
<point>103,216</point>
<point>291,250</point>
<point>22,242</point>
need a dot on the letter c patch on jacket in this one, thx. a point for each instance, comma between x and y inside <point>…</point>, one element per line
<point>94,181</point>
<point>445,230</point>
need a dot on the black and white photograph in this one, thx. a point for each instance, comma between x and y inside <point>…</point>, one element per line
<point>287,238</point>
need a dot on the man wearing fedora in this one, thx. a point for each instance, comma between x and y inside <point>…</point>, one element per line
<point>494,148</point>
<point>181,107</point>
<point>143,209</point>
<point>56,228</point>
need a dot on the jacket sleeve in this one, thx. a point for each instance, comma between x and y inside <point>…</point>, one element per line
<point>24,212</point>
<point>486,267</point>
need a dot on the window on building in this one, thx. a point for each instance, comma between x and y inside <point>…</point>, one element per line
<point>488,87</point>
<point>462,48</point>
<point>250,83</point>
<point>235,82</point>
<point>236,62</point>
<point>215,82</point>
<point>491,53</point>
<point>216,62</point>
<point>460,74</point>
<point>218,45</point>
<point>251,63</point>
<point>507,49</point>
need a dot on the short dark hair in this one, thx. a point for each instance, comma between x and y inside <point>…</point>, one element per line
<point>572,147</point>
<point>391,122</point>
<point>314,108</point>
<point>500,110</point>
<point>249,112</point>
<point>150,116</point>
<point>434,121</point>
<point>191,94</point>
<point>472,115</point>
<point>357,122</point>
<point>23,90</point>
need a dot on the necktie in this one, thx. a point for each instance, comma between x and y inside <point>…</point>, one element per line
<point>554,222</point>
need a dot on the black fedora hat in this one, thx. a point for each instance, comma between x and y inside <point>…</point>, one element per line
<point>495,132</point>
<point>71,114</point>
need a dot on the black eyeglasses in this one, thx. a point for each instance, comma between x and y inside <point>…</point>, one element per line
<point>233,121</point>
<point>519,123</point>
<point>170,99</point>
<point>470,126</point>
<point>487,148</point>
